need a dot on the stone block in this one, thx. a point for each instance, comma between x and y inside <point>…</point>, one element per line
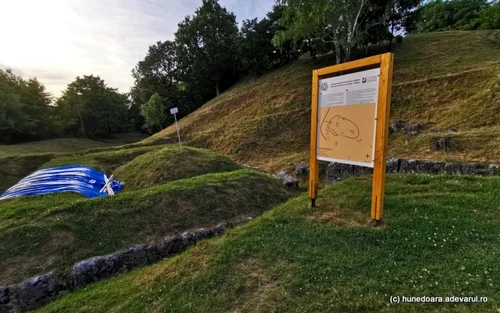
<point>95,269</point>
<point>8,299</point>
<point>430,167</point>
<point>338,171</point>
<point>203,233</point>
<point>287,180</point>
<point>361,170</point>
<point>453,168</point>
<point>475,169</point>
<point>39,290</point>
<point>172,245</point>
<point>493,170</point>
<point>409,166</point>
<point>220,229</point>
<point>397,126</point>
<point>302,170</point>
<point>392,165</point>
<point>137,256</point>
<point>188,238</point>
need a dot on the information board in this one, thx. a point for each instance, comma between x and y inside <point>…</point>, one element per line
<point>350,108</point>
<point>347,117</point>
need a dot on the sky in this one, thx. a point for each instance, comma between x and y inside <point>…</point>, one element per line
<point>57,40</point>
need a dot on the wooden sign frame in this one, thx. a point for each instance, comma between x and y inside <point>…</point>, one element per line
<point>386,62</point>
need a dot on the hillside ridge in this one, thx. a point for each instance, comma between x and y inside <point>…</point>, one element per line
<point>438,81</point>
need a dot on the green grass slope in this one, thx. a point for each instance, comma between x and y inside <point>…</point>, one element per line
<point>51,146</point>
<point>441,238</point>
<point>14,168</point>
<point>447,79</point>
<point>104,161</point>
<point>68,145</point>
<point>20,160</point>
<point>41,233</point>
<point>171,163</point>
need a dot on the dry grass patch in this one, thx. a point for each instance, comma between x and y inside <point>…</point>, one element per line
<point>338,219</point>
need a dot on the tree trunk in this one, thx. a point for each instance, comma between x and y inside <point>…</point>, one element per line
<point>217,87</point>
<point>81,121</point>
<point>338,57</point>
<point>347,54</point>
<point>392,36</point>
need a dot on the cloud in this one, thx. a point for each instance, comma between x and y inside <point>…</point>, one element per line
<point>58,40</point>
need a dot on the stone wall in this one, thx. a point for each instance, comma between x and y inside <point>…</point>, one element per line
<point>338,171</point>
<point>37,291</point>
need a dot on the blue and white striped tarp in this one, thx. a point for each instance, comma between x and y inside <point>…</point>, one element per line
<point>77,178</point>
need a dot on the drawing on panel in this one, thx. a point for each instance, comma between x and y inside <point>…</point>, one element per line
<point>338,126</point>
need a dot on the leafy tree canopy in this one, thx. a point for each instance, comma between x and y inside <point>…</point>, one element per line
<point>440,15</point>
<point>91,108</point>
<point>153,112</point>
<point>25,113</point>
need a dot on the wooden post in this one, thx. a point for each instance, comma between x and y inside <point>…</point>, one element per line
<point>313,162</point>
<point>381,136</point>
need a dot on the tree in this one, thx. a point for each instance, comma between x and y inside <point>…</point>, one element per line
<point>288,34</point>
<point>439,15</point>
<point>206,45</point>
<point>153,112</point>
<point>328,21</point>
<point>157,73</point>
<point>89,107</point>
<point>25,113</point>
<point>490,16</point>
<point>342,24</point>
<point>13,121</point>
<point>37,105</point>
<point>256,53</point>
<point>398,13</point>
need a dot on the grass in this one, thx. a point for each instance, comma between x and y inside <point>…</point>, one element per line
<point>441,238</point>
<point>20,160</point>
<point>68,145</point>
<point>171,163</point>
<point>124,138</point>
<point>51,146</point>
<point>445,79</point>
<point>14,168</point>
<point>104,161</point>
<point>48,232</point>
<point>467,145</point>
<point>435,54</point>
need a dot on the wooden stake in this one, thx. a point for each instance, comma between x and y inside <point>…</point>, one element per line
<point>381,136</point>
<point>313,162</point>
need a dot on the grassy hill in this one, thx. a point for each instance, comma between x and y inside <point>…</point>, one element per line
<point>20,160</point>
<point>104,161</point>
<point>51,146</point>
<point>13,168</point>
<point>171,163</point>
<point>441,232</point>
<point>64,145</point>
<point>441,238</point>
<point>446,79</point>
<point>54,231</point>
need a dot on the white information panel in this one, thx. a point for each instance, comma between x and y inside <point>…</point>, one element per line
<point>347,118</point>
